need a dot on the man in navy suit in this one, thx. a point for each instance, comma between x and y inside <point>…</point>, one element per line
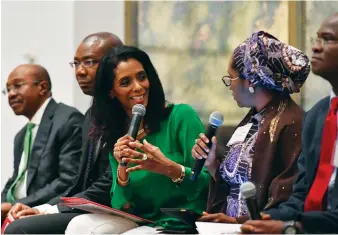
<point>313,205</point>
<point>47,150</point>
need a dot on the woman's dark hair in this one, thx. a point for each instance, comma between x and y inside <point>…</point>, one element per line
<point>108,114</point>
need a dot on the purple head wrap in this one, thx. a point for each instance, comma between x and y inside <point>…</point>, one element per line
<point>269,63</point>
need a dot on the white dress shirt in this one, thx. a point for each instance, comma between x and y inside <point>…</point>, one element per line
<point>20,191</point>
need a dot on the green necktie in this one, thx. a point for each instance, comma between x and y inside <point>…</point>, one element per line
<point>22,169</point>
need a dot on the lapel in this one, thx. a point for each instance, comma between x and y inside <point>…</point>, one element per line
<point>317,141</point>
<point>40,140</point>
<point>267,137</point>
<point>97,148</point>
<point>88,125</point>
<point>18,147</point>
<point>335,193</point>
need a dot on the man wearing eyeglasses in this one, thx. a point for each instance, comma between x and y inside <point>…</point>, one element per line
<point>95,177</point>
<point>47,150</point>
<point>313,205</point>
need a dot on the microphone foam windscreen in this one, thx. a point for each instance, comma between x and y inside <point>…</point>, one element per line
<point>139,109</point>
<point>248,189</point>
<point>216,118</point>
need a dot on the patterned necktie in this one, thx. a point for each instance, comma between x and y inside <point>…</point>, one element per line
<point>316,194</point>
<point>23,166</point>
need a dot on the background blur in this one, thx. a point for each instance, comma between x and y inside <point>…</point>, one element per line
<point>188,42</point>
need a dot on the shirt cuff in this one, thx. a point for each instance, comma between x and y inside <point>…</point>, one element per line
<point>47,209</point>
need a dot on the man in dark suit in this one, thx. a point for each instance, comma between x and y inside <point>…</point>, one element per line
<point>313,205</point>
<point>47,150</point>
<point>95,178</point>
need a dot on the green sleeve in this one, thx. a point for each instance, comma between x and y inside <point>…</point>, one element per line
<point>188,127</point>
<point>120,196</point>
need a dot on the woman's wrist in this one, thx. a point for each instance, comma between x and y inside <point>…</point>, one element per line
<point>173,170</point>
<point>122,176</point>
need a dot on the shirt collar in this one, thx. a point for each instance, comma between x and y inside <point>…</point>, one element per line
<point>36,119</point>
<point>332,95</point>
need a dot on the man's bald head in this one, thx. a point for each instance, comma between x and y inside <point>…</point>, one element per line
<point>28,87</point>
<point>91,49</point>
<point>36,71</point>
<point>105,40</point>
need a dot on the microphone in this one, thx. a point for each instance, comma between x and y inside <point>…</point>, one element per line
<point>138,113</point>
<point>215,121</point>
<point>248,190</point>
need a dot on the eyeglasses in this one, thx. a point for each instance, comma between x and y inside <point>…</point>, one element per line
<point>17,86</point>
<point>85,63</point>
<point>227,80</point>
<point>322,41</point>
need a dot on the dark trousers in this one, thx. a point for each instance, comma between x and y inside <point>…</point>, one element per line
<point>41,224</point>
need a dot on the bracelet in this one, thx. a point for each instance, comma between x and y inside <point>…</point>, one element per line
<point>181,178</point>
<point>120,182</point>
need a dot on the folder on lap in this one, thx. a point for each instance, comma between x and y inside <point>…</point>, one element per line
<point>96,208</point>
<point>9,219</point>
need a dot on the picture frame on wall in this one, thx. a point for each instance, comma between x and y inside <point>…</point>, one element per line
<point>190,44</point>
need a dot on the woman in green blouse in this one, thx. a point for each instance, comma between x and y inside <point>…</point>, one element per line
<point>157,165</point>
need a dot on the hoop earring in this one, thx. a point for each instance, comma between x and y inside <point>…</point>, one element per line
<point>251,90</point>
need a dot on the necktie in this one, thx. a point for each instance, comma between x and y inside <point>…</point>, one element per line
<point>317,191</point>
<point>23,167</point>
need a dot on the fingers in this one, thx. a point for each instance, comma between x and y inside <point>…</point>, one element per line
<point>135,145</point>
<point>194,153</point>
<point>214,140</point>
<point>247,229</point>
<point>202,144</point>
<point>17,208</point>
<point>124,138</point>
<point>208,218</point>
<point>149,148</point>
<point>134,168</point>
<point>204,138</point>
<point>129,153</point>
<point>265,216</point>
<point>28,212</point>
<point>214,144</point>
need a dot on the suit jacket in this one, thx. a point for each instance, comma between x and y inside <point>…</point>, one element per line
<point>98,184</point>
<point>293,208</point>
<point>274,165</point>
<point>55,155</point>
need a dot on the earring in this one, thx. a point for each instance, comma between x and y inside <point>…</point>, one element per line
<point>251,90</point>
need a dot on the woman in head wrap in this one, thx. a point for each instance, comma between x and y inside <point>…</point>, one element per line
<point>262,74</point>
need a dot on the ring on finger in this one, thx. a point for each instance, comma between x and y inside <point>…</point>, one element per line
<point>145,157</point>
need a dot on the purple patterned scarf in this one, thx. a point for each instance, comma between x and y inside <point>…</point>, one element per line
<point>269,63</point>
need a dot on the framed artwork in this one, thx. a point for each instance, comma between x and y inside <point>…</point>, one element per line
<point>190,44</point>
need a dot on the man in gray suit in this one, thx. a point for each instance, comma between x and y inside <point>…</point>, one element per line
<point>47,150</point>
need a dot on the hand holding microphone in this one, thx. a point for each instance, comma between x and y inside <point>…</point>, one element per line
<point>204,150</point>
<point>122,143</point>
<point>248,191</point>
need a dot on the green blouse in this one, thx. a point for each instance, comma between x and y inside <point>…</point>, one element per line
<point>148,192</point>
